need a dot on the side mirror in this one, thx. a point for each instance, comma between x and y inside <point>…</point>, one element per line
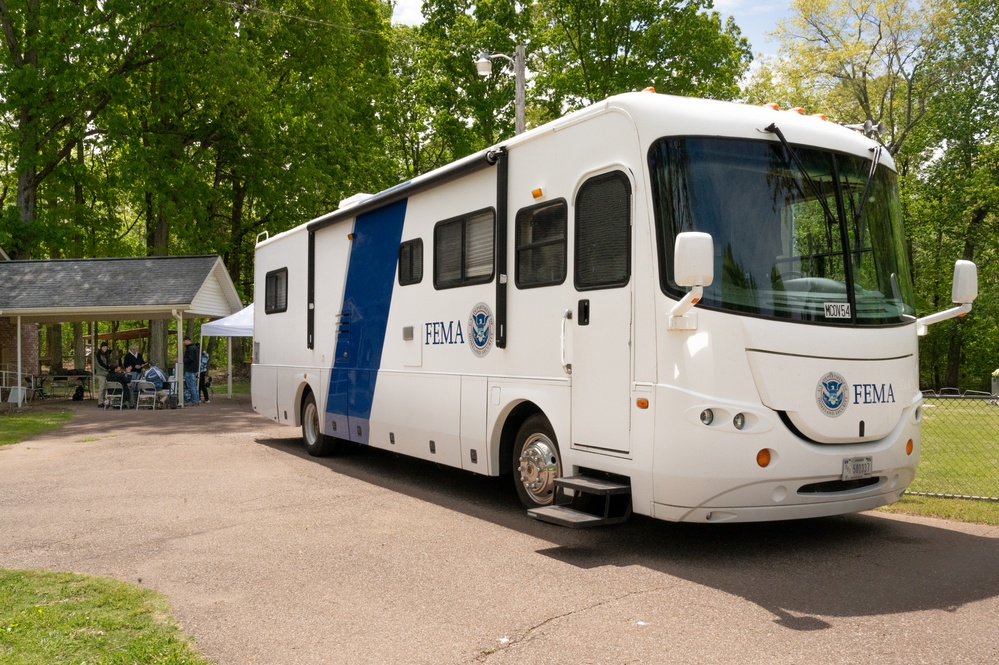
<point>694,259</point>
<point>962,293</point>
<point>693,266</point>
<point>965,288</point>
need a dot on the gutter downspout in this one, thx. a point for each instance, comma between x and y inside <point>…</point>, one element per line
<point>20,384</point>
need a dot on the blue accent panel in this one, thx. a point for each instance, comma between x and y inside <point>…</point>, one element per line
<point>374,253</point>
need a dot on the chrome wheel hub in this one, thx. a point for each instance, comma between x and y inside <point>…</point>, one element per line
<point>539,467</point>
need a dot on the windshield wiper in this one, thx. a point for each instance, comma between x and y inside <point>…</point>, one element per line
<point>830,218</point>
<point>870,179</point>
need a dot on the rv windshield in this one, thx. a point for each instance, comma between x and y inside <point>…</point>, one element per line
<point>815,239</point>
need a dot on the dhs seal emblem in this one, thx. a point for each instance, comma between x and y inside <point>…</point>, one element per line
<point>480,330</point>
<point>831,394</point>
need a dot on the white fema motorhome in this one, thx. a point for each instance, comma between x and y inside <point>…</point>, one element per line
<point>695,310</point>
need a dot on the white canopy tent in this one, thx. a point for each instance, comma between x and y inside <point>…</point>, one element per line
<point>239,324</point>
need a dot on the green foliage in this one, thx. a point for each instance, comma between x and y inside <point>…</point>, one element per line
<point>62,618</point>
<point>187,127</point>
<point>585,51</point>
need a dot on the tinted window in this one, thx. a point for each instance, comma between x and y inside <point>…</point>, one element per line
<point>411,262</point>
<point>276,291</point>
<point>463,250</point>
<point>541,245</point>
<point>603,232</point>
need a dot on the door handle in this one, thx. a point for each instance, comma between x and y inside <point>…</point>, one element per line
<point>566,366</point>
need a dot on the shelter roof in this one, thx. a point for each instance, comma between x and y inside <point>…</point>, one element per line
<point>114,289</point>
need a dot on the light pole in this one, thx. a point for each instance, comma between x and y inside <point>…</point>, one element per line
<point>485,66</point>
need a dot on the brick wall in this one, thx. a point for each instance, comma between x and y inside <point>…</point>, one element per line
<point>29,346</point>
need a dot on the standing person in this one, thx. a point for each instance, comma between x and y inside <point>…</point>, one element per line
<point>204,381</point>
<point>133,361</point>
<point>192,363</point>
<point>102,366</point>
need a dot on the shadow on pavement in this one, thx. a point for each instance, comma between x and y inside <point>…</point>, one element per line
<point>848,566</point>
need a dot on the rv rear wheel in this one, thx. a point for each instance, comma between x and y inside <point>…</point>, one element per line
<point>536,462</point>
<point>317,444</point>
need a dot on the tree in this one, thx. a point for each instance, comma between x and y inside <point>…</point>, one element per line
<point>953,196</point>
<point>63,64</point>
<point>864,59</point>
<point>586,50</point>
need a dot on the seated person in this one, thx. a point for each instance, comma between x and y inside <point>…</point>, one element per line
<point>155,376</point>
<point>124,379</point>
<point>133,361</point>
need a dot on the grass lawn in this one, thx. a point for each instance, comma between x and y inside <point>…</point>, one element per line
<point>963,510</point>
<point>18,426</point>
<point>65,618</point>
<point>960,448</point>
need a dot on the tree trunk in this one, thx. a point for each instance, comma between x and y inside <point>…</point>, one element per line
<point>79,347</point>
<point>55,348</point>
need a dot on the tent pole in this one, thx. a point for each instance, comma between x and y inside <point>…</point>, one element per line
<point>93,360</point>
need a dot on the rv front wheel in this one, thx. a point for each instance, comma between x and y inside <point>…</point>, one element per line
<point>316,443</point>
<point>536,462</point>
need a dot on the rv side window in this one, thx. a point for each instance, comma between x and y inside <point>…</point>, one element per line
<point>603,232</point>
<point>463,250</point>
<point>411,262</point>
<point>276,291</point>
<point>541,245</point>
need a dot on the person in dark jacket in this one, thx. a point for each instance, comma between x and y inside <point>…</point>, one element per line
<point>133,362</point>
<point>124,379</point>
<point>102,366</point>
<point>192,363</point>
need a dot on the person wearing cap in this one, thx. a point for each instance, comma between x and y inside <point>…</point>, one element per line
<point>192,363</point>
<point>155,376</point>
<point>102,366</point>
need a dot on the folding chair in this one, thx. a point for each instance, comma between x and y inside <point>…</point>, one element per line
<point>145,391</point>
<point>114,392</point>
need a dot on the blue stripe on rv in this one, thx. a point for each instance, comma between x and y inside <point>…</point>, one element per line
<point>363,321</point>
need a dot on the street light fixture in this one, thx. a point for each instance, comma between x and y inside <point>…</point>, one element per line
<point>484,65</point>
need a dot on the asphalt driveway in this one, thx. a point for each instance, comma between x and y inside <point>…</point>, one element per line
<point>270,556</point>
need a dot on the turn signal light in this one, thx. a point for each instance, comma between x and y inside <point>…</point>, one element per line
<point>763,458</point>
<point>908,447</point>
<point>642,403</point>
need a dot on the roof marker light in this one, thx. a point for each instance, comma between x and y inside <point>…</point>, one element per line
<point>797,109</point>
<point>773,105</point>
<point>649,89</point>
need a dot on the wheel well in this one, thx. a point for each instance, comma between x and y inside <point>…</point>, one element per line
<point>520,413</point>
<point>300,403</point>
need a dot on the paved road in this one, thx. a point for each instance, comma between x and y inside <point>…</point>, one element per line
<point>270,556</point>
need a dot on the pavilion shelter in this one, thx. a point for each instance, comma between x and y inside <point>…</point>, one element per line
<point>116,289</point>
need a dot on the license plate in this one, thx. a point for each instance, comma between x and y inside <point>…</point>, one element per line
<point>855,468</point>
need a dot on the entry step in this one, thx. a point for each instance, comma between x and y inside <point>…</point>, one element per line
<point>591,485</point>
<point>570,517</point>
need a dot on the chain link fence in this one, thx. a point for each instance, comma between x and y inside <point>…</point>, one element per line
<point>960,446</point>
